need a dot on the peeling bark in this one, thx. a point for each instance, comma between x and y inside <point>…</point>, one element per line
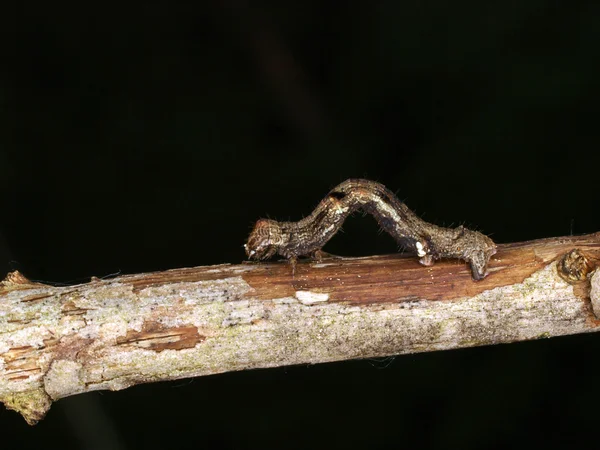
<point>112,334</point>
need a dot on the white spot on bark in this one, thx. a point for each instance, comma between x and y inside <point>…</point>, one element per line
<point>309,298</point>
<point>420,250</point>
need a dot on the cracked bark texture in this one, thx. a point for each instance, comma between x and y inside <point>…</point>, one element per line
<point>112,334</point>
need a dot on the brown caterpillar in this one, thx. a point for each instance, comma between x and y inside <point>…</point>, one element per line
<point>430,242</point>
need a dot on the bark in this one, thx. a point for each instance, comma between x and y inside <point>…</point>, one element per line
<point>112,334</point>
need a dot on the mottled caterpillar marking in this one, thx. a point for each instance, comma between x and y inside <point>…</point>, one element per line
<point>307,236</point>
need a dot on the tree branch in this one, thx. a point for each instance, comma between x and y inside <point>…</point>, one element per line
<point>112,334</point>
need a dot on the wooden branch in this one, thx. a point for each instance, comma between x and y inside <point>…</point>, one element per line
<point>112,334</point>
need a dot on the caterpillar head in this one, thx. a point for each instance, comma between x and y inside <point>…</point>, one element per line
<point>265,240</point>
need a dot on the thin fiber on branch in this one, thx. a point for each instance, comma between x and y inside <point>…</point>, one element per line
<point>112,334</point>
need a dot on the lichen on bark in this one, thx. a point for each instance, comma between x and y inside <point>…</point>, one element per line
<point>112,334</point>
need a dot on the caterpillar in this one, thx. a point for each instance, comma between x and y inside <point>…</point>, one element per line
<point>307,236</point>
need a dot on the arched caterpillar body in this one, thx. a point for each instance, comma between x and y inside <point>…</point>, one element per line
<point>430,242</point>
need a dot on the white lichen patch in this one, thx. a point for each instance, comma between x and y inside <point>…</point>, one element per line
<point>198,292</point>
<point>30,336</point>
<point>117,327</point>
<point>122,310</point>
<point>63,378</point>
<point>420,249</point>
<point>310,298</point>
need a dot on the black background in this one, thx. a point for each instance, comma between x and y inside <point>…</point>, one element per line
<point>150,138</point>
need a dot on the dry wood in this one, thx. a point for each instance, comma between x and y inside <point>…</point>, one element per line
<point>112,334</point>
